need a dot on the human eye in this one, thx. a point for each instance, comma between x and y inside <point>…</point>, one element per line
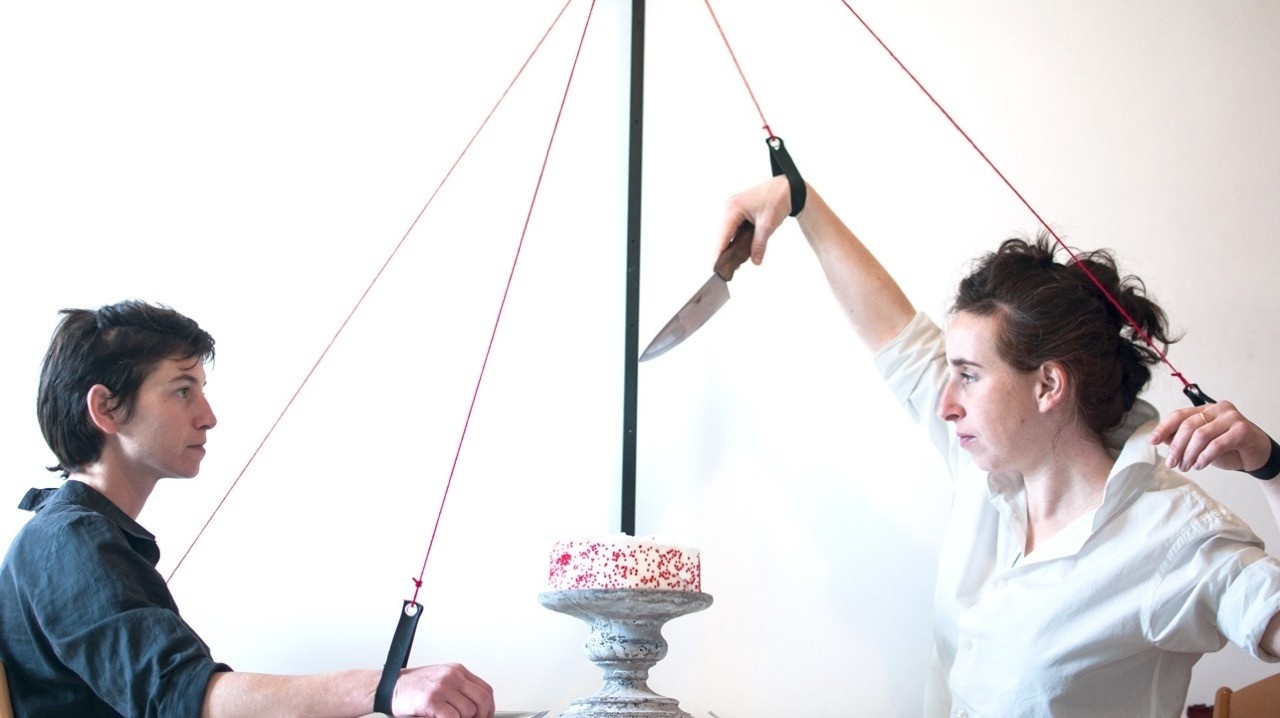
<point>184,392</point>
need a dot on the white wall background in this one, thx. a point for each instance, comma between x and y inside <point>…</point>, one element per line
<point>253,164</point>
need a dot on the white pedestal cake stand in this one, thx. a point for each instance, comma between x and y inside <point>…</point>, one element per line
<point>625,641</point>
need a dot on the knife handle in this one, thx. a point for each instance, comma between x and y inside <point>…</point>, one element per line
<point>737,252</point>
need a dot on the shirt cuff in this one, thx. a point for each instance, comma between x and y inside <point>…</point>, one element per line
<point>1250,603</point>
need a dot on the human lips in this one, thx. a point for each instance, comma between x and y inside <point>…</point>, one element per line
<point>965,439</point>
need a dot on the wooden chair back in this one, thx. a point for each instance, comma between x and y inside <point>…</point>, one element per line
<point>1256,700</point>
<point>6,706</point>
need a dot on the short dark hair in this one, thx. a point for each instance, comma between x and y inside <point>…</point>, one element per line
<point>116,346</point>
<point>1054,312</point>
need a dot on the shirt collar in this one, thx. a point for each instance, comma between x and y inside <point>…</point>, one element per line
<point>1132,473</point>
<point>1134,470</point>
<point>82,494</point>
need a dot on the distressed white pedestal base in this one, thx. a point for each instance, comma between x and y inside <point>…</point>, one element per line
<point>625,640</point>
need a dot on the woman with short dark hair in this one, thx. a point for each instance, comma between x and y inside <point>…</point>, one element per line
<point>88,627</point>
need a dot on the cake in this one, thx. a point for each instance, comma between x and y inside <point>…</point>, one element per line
<point>623,561</point>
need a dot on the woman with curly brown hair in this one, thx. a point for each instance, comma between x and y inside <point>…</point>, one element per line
<point>1081,574</point>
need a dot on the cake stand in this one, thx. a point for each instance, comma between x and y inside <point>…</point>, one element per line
<point>625,641</point>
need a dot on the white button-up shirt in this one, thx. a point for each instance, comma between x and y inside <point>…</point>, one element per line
<point>1108,616</point>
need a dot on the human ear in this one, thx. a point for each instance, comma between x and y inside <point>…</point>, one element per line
<point>1051,385</point>
<point>100,403</point>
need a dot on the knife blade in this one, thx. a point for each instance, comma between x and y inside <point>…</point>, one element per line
<point>705,302</point>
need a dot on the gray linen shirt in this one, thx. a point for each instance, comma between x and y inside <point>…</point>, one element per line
<point>87,625</point>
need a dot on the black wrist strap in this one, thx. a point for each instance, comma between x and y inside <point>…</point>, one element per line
<point>781,164</point>
<point>1271,469</point>
<point>397,656</point>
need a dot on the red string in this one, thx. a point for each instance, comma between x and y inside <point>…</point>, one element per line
<point>367,289</point>
<point>735,64</point>
<point>510,276</point>
<point>983,155</point>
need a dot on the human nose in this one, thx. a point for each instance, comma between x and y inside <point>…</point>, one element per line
<point>948,408</point>
<point>206,419</point>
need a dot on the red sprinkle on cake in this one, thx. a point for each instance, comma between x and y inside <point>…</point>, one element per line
<point>623,562</point>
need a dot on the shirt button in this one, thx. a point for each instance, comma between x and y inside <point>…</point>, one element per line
<point>965,644</point>
<point>962,713</point>
<point>1002,584</point>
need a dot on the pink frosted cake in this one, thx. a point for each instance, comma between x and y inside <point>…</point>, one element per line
<point>623,562</point>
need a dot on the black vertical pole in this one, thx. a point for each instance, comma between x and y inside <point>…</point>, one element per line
<point>633,271</point>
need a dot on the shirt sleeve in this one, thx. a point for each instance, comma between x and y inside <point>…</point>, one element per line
<point>105,613</point>
<point>914,366</point>
<point>1216,584</point>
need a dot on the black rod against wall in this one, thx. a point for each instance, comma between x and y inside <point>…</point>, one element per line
<point>632,351</point>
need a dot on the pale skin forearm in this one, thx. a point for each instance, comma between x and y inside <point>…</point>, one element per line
<point>872,301</point>
<point>1271,489</point>
<point>330,695</point>
<point>438,691</point>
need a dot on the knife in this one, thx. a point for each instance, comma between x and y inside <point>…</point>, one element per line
<point>707,300</point>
